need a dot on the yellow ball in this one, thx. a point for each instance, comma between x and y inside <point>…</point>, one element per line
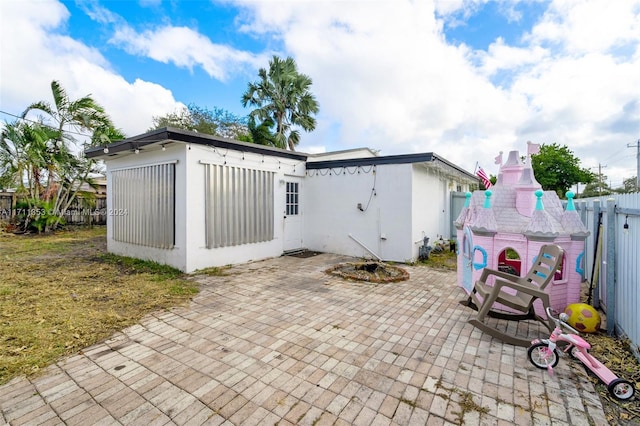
<point>583,317</point>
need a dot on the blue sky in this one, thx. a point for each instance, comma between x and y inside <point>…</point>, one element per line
<point>462,78</point>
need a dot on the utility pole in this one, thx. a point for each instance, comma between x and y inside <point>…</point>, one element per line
<point>600,166</point>
<point>637,146</point>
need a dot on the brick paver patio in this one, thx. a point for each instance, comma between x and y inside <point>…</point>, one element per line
<point>280,342</point>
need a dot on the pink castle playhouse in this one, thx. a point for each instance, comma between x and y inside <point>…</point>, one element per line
<point>504,227</point>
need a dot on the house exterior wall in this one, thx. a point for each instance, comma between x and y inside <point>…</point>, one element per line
<point>190,252</point>
<point>176,256</point>
<point>332,213</point>
<point>198,255</point>
<point>430,214</point>
<point>380,208</point>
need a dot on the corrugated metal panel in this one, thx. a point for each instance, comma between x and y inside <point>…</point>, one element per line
<point>239,205</point>
<point>626,246</point>
<point>143,205</point>
<point>628,267</point>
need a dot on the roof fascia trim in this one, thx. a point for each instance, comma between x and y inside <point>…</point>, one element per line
<point>179,135</point>
<point>372,161</point>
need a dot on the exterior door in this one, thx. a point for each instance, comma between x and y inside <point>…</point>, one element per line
<point>293,214</point>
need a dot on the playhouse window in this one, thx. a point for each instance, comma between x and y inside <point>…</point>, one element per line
<point>559,275</point>
<point>143,202</point>
<point>509,261</point>
<point>238,206</point>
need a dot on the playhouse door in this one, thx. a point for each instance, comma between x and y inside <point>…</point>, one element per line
<point>467,260</point>
<point>293,214</point>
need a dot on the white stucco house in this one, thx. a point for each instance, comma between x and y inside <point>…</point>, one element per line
<point>194,201</point>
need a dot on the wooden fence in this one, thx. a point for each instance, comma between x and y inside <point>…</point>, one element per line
<point>81,211</point>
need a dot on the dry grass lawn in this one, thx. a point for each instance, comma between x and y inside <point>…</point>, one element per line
<point>442,260</point>
<point>60,293</point>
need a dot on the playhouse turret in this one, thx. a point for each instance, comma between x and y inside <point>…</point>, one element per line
<point>511,169</point>
<point>526,187</point>
<point>485,222</point>
<point>541,226</point>
<point>571,220</point>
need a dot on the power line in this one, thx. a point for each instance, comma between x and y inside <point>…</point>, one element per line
<point>618,158</point>
<point>614,154</point>
<point>42,124</point>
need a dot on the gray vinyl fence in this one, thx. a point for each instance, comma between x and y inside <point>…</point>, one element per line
<point>456,204</point>
<point>81,211</point>
<point>615,273</point>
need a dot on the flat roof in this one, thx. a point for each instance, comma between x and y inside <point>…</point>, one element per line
<point>426,157</point>
<point>167,134</point>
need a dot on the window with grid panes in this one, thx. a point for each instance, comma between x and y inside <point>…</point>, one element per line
<point>292,199</point>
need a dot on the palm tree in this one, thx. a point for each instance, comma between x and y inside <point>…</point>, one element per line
<point>24,156</point>
<point>82,114</point>
<point>261,134</point>
<point>282,95</point>
<point>66,171</point>
<point>105,134</point>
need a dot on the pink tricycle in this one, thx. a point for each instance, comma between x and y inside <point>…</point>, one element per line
<point>543,353</point>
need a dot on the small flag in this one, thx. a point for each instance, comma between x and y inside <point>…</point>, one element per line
<point>498,159</point>
<point>484,178</point>
<point>533,148</point>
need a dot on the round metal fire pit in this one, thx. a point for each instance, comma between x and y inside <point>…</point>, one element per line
<point>375,272</point>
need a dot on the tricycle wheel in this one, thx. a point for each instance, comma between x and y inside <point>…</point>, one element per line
<point>573,351</point>
<point>621,389</point>
<point>542,356</point>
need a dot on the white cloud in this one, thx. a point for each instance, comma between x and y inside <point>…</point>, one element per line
<point>580,92</point>
<point>386,78</point>
<point>449,7</point>
<point>183,47</point>
<point>383,72</point>
<point>580,26</point>
<point>42,53</point>
<point>501,57</point>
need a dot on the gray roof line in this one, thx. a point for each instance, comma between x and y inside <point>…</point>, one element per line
<point>166,134</point>
<point>425,157</point>
<point>179,135</point>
